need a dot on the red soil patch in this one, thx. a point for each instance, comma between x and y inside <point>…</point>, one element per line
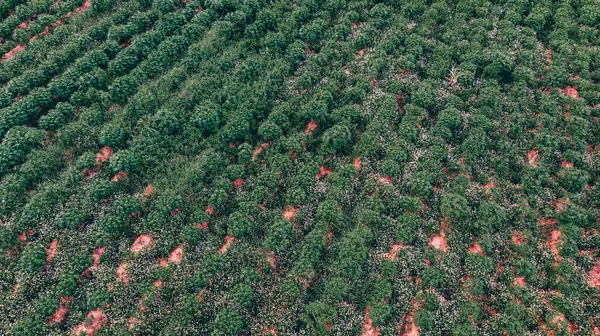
<point>13,52</point>
<point>519,282</point>
<point>158,283</point>
<point>150,191</point>
<point>439,241</point>
<point>96,257</point>
<point>85,6</point>
<point>23,237</point>
<point>51,251</point>
<point>141,242</point>
<point>290,212</point>
<point>202,226</point>
<point>238,183</point>
<point>228,242</point>
<point>518,238</point>
<point>119,176</point>
<point>571,92</point>
<point>359,54</point>
<point>560,204</point>
<point>595,275</point>
<point>566,164</point>
<point>269,331</point>
<point>324,171</point>
<point>368,329</point>
<point>122,273</point>
<point>103,156</point>
<point>163,262</point>
<point>548,55</point>
<point>210,210</point>
<point>62,311</point>
<point>177,255</point>
<point>356,163</point>
<point>476,248</point>
<point>311,126</point>
<point>394,251</point>
<point>553,243</point>
<point>385,179</point>
<point>94,321</point>
<point>23,24</point>
<point>259,149</point>
<point>488,187</point>
<point>532,157</point>
<point>410,328</point>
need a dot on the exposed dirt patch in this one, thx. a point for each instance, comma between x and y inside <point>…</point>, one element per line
<point>259,149</point>
<point>51,252</point>
<point>290,212</point>
<point>554,242</point>
<point>519,282</point>
<point>93,322</point>
<point>476,248</point>
<point>368,329</point>
<point>324,171</point>
<point>104,154</point>
<point>359,54</point>
<point>518,238</point>
<point>228,242</point>
<point>439,241</point>
<point>176,255</point>
<point>119,176</point>
<point>85,5</point>
<point>385,179</point>
<point>122,273</point>
<point>532,157</point>
<point>310,127</point>
<point>594,274</point>
<point>96,257</point>
<point>141,242</point>
<point>356,163</point>
<point>62,311</point>
<point>391,255</point>
<point>571,92</point>
<point>410,327</point>
<point>238,183</point>
<point>149,192</point>
<point>13,52</point>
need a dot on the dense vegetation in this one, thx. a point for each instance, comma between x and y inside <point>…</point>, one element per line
<point>309,167</point>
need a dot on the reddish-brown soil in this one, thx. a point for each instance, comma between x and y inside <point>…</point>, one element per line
<point>59,315</point>
<point>12,52</point>
<point>519,282</point>
<point>122,273</point>
<point>103,156</point>
<point>141,242</point>
<point>368,329</point>
<point>356,163</point>
<point>571,92</point>
<point>532,157</point>
<point>259,149</point>
<point>410,327</point>
<point>476,248</point>
<point>324,172</point>
<point>176,255</point>
<point>594,274</point>
<point>93,322</point>
<point>553,243</point>
<point>385,179</point>
<point>96,257</point>
<point>360,53</point>
<point>228,242</point>
<point>149,192</point>
<point>391,255</point>
<point>51,252</point>
<point>119,176</point>
<point>439,241</point>
<point>290,212</point>
<point>311,126</point>
<point>518,238</point>
<point>238,183</point>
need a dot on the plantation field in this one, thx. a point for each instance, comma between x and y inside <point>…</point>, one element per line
<point>305,167</point>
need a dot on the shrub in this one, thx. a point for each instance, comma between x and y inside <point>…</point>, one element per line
<point>33,258</point>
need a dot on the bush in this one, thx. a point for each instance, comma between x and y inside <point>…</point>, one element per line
<point>335,138</point>
<point>33,258</point>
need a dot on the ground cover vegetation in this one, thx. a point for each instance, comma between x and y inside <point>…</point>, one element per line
<point>310,167</point>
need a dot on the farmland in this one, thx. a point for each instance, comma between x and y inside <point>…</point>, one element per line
<point>306,167</point>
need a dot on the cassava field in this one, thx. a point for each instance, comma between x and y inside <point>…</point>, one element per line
<point>306,167</point>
